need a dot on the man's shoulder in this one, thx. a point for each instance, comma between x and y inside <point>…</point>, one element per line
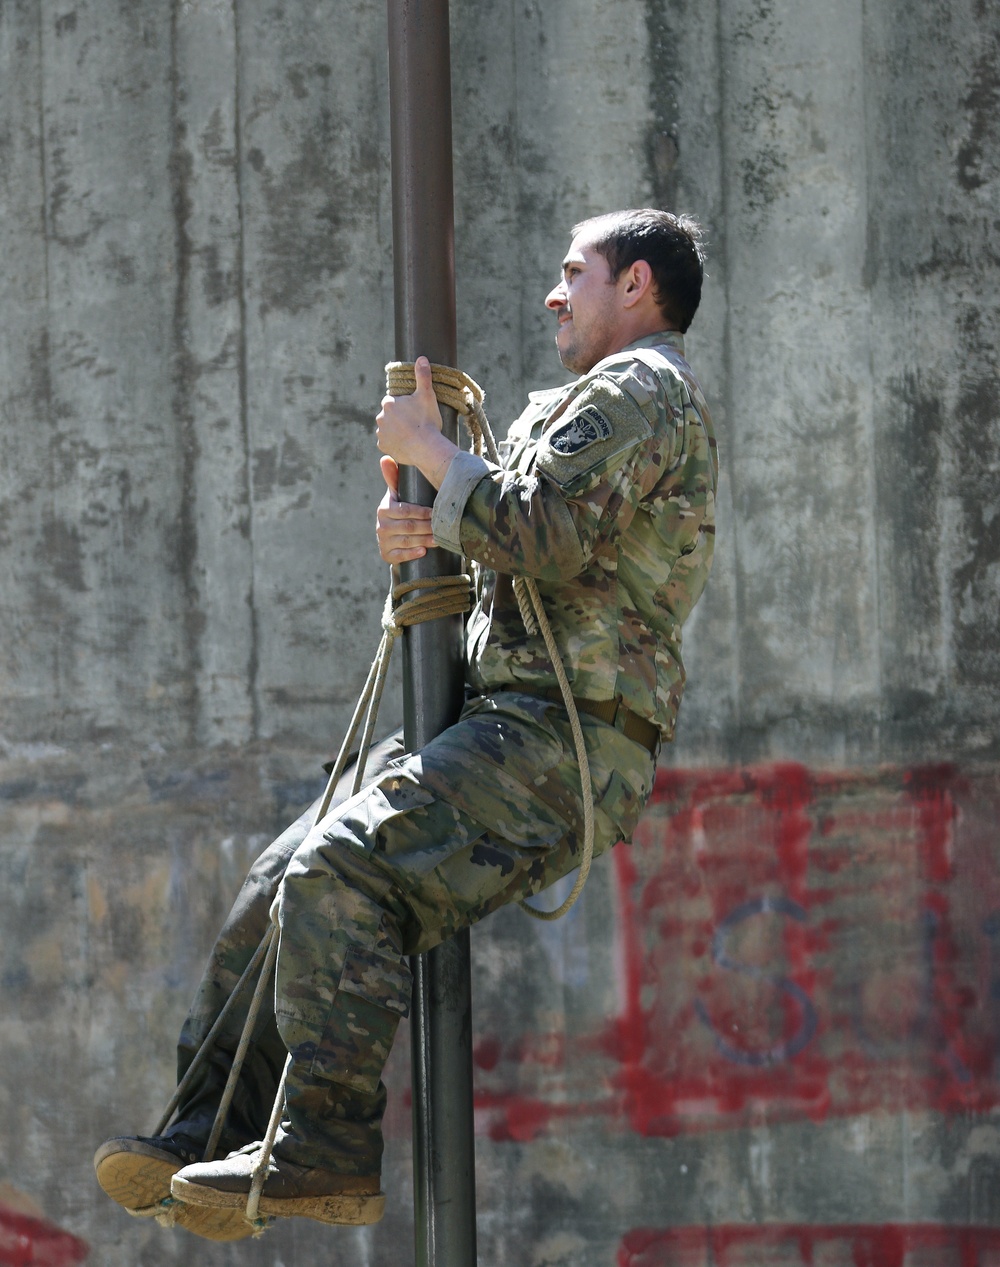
<point>654,362</point>
<point>650,377</point>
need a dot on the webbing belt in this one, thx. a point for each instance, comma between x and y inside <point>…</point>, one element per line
<point>612,711</point>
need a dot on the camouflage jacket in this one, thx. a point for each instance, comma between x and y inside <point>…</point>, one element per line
<point>606,496</point>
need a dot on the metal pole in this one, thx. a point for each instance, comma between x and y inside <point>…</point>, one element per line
<point>424,274</point>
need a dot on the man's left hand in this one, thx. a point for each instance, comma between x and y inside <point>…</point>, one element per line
<point>403,529</point>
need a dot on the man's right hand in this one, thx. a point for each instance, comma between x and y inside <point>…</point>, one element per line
<point>403,530</point>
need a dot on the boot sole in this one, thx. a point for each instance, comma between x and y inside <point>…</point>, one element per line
<point>138,1177</point>
<point>350,1209</point>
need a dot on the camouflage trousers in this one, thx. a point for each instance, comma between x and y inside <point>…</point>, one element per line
<point>487,813</point>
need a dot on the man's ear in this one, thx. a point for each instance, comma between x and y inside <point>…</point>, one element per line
<point>637,283</point>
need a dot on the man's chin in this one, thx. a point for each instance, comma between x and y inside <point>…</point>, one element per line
<point>569,356</point>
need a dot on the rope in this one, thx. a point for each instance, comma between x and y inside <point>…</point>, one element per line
<point>271,941</point>
<point>408,603</point>
<point>208,1042</point>
<point>458,391</point>
<point>440,596</point>
<point>586,787</point>
<point>259,1173</point>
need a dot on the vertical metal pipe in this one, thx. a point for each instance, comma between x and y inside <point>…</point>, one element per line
<point>424,274</point>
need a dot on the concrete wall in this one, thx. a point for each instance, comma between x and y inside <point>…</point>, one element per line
<point>768,1033</point>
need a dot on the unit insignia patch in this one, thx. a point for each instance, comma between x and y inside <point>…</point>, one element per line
<point>583,429</point>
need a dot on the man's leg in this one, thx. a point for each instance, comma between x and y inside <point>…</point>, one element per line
<point>135,1171</point>
<point>392,873</point>
<point>245,927</point>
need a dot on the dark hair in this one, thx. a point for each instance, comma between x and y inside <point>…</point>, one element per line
<point>671,246</point>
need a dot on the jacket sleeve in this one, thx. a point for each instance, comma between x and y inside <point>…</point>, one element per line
<point>576,489</point>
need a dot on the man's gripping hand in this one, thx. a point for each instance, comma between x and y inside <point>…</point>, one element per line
<point>403,530</point>
<point>408,429</point>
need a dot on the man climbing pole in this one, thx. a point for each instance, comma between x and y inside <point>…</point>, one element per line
<point>604,495</point>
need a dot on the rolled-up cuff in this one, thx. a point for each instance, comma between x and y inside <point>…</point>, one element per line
<point>464,473</point>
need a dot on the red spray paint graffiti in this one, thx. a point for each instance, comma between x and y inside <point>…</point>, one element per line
<point>793,945</point>
<point>888,1245</point>
<point>27,1241</point>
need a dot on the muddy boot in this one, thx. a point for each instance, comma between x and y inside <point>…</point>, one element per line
<point>290,1190</point>
<point>136,1170</point>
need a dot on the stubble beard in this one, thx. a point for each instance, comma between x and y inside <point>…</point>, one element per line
<point>580,355</point>
<point>575,354</point>
<point>571,359</point>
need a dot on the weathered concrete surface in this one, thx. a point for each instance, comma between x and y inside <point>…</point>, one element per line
<point>195,297</point>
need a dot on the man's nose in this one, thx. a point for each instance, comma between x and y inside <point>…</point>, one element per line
<point>556,298</point>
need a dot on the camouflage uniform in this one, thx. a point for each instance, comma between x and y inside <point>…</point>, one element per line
<point>606,497</point>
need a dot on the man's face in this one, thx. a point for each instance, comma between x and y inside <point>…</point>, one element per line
<point>588,309</point>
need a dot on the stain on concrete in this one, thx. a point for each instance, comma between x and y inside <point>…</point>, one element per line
<point>307,216</point>
<point>976,576</point>
<point>976,162</point>
<point>216,141</point>
<point>870,267</point>
<point>663,147</point>
<point>279,468</point>
<point>219,285</point>
<point>180,786</point>
<point>763,175</point>
<point>119,265</point>
<point>910,463</point>
<point>60,554</point>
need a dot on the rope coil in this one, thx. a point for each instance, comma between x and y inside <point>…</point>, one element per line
<point>454,389</point>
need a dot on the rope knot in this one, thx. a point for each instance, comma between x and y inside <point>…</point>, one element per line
<point>390,625</point>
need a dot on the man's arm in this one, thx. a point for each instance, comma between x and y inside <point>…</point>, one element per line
<point>583,483</point>
<point>590,474</point>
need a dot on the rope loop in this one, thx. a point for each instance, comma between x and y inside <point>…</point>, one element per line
<point>451,386</point>
<point>443,596</point>
<point>454,389</point>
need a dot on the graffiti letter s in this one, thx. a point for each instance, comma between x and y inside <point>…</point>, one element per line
<point>789,1047</point>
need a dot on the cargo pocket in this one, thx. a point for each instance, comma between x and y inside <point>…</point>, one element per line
<point>620,808</point>
<point>371,999</point>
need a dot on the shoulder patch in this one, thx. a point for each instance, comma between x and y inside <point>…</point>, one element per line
<point>582,430</point>
<point>605,425</point>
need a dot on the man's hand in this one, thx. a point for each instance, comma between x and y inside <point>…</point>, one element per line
<point>403,530</point>
<point>409,429</point>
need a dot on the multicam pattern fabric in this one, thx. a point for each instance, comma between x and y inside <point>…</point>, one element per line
<point>607,497</point>
<point>486,813</point>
